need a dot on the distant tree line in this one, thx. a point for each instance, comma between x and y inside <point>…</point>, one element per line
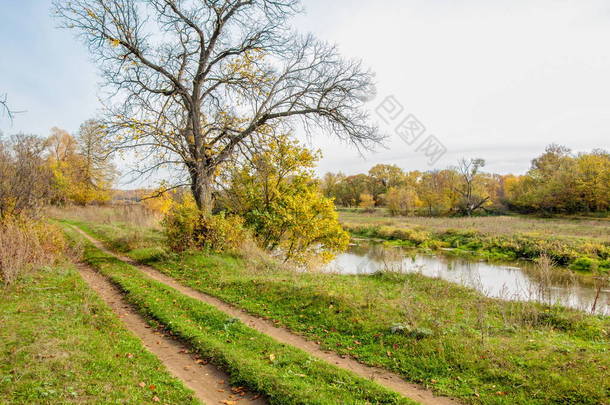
<point>558,181</point>
<point>60,169</point>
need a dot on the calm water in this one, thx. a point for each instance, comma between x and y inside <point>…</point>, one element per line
<point>523,283</point>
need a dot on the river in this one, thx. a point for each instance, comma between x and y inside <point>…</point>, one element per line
<point>522,281</point>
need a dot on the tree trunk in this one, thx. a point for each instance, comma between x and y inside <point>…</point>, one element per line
<point>201,187</point>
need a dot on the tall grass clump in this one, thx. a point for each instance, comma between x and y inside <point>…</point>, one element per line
<point>26,245</point>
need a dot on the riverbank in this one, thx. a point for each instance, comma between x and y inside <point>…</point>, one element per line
<point>569,243</point>
<point>449,338</point>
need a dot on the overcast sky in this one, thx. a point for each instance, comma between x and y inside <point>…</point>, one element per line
<point>492,79</point>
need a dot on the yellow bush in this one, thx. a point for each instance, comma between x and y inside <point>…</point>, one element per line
<point>186,227</point>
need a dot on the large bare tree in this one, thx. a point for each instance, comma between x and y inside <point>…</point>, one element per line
<point>192,80</point>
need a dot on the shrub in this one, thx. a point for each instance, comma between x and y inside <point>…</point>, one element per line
<point>584,264</point>
<point>403,234</point>
<point>186,227</point>
<point>26,245</point>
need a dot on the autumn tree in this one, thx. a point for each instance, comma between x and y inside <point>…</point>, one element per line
<point>274,189</point>
<point>436,191</point>
<point>592,182</point>
<point>470,187</point>
<point>81,166</point>
<point>352,187</point>
<point>192,81</point>
<point>63,161</point>
<point>553,187</point>
<point>367,202</point>
<point>24,176</point>
<point>96,172</point>
<point>383,177</point>
<point>402,201</point>
<point>560,182</point>
<point>330,184</point>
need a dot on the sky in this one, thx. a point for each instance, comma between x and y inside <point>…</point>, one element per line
<point>490,79</point>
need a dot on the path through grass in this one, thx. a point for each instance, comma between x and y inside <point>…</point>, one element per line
<point>59,343</point>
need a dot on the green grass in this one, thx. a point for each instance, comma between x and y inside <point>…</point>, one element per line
<point>493,238</point>
<point>480,350</point>
<point>59,343</point>
<point>285,374</point>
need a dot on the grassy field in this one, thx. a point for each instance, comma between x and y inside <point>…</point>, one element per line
<point>447,337</point>
<point>597,229</point>
<point>284,374</point>
<point>59,343</point>
<point>582,245</point>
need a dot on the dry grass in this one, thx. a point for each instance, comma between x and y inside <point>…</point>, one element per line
<point>498,225</point>
<point>135,215</point>
<point>26,245</point>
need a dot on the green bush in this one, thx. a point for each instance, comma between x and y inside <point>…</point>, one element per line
<point>584,264</point>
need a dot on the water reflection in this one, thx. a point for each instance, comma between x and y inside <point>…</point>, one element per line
<point>525,282</point>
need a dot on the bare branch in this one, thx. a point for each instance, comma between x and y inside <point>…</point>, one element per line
<point>4,108</point>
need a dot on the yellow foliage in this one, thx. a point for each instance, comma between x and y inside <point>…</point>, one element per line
<point>367,202</point>
<point>402,201</point>
<point>187,227</point>
<point>280,200</point>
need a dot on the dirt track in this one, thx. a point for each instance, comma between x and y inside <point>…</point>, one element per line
<point>208,383</point>
<point>383,377</point>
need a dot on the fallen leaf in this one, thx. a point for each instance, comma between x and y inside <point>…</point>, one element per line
<point>142,384</point>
